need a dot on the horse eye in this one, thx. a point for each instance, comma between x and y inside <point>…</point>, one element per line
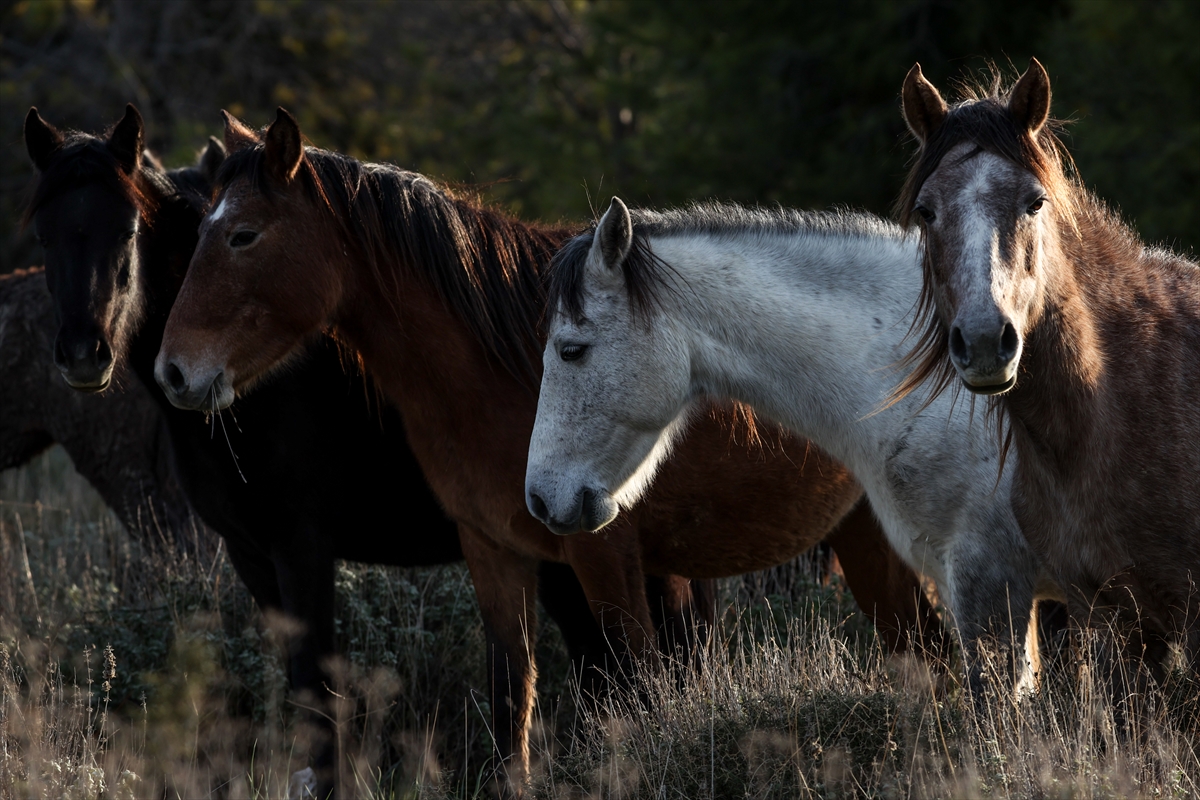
<point>926,214</point>
<point>1035,206</point>
<point>127,235</point>
<point>243,238</point>
<point>572,352</point>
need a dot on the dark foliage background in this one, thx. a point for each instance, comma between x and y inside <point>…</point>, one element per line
<point>549,106</point>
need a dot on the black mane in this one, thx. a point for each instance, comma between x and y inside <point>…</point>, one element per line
<point>485,265</point>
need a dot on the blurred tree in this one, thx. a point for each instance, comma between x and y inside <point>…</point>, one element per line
<point>544,105</point>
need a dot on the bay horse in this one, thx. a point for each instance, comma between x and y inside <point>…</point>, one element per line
<point>308,468</point>
<point>1088,342</point>
<point>442,299</point>
<point>117,443</point>
<point>799,315</point>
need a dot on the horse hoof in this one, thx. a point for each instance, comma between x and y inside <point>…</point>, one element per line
<point>303,785</point>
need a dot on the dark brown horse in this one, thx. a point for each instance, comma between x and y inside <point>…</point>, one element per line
<point>442,300</point>
<point>117,442</point>
<point>1035,292</point>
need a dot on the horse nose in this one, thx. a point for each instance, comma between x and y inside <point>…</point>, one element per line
<point>537,506</point>
<point>988,351</point>
<point>84,360</point>
<point>173,379</point>
<point>1009,343</point>
<point>959,352</point>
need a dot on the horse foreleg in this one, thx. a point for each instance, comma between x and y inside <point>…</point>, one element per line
<point>991,598</point>
<point>684,612</point>
<point>887,590</point>
<point>304,568</point>
<point>506,585</point>
<point>608,566</point>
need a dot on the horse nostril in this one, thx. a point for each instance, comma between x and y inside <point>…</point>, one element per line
<point>60,355</point>
<point>538,506</point>
<point>104,355</point>
<point>175,378</point>
<point>1008,343</point>
<point>958,347</point>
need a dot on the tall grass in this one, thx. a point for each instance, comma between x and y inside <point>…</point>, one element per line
<point>126,674</point>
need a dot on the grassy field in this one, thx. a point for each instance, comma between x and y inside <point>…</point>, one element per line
<point>129,675</point>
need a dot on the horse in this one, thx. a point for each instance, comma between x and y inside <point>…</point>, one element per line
<point>308,468</point>
<point>117,443</point>
<point>442,299</point>
<point>1087,343</point>
<point>802,316</point>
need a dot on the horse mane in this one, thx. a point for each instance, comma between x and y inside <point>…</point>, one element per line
<point>486,266</point>
<point>647,276</point>
<point>85,158</point>
<point>981,118</point>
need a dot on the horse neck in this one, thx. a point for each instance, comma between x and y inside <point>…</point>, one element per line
<point>807,329</point>
<point>1052,406</point>
<point>456,398</point>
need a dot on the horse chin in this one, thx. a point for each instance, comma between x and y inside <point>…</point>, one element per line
<point>991,388</point>
<point>91,388</point>
<point>90,385</point>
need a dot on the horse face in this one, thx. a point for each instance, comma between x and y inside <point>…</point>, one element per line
<point>985,221</point>
<point>615,389</point>
<point>90,238</point>
<point>256,288</point>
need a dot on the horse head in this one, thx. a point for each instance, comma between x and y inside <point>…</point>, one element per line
<point>615,384</point>
<point>236,317</point>
<point>988,192</point>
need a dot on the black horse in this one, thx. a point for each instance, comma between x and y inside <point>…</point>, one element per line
<point>118,442</point>
<point>309,468</point>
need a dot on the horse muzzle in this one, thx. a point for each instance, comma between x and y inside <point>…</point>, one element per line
<point>86,362</point>
<point>589,510</point>
<point>194,389</point>
<point>986,360</point>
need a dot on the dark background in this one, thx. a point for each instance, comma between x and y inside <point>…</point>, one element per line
<point>551,106</point>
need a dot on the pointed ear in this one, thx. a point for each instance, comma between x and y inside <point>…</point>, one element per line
<point>126,141</point>
<point>41,139</point>
<point>237,135</point>
<point>924,108</point>
<point>614,235</point>
<point>285,150</point>
<point>211,159</point>
<point>1029,102</point>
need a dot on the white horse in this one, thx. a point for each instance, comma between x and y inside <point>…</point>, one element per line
<point>803,316</point>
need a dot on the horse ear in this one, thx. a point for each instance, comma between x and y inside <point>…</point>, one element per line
<point>237,135</point>
<point>211,159</point>
<point>126,141</point>
<point>924,108</point>
<point>1029,102</point>
<point>614,234</point>
<point>285,150</point>
<point>41,139</point>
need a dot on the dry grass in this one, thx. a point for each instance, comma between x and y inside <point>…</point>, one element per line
<point>124,675</point>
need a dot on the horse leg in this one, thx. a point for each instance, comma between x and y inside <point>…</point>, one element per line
<point>506,585</point>
<point>609,569</point>
<point>683,612</point>
<point>991,598</point>
<point>887,590</point>
<point>567,605</point>
<point>304,568</point>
